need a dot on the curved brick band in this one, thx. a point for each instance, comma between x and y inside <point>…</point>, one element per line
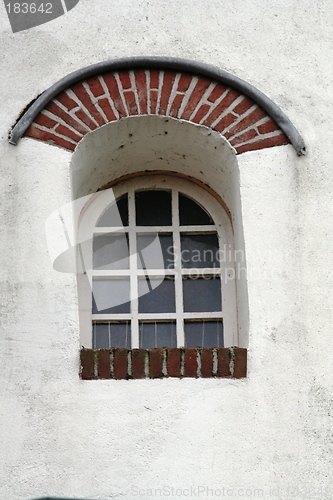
<point>98,100</point>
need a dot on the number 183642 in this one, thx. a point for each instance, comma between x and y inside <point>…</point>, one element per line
<point>29,8</point>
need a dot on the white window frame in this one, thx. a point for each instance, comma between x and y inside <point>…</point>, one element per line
<point>88,228</point>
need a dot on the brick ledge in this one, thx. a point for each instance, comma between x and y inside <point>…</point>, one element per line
<point>122,364</point>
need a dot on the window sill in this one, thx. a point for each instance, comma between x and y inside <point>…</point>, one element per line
<point>120,364</point>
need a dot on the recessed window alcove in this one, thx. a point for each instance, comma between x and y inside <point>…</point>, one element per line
<point>138,147</point>
<point>182,122</point>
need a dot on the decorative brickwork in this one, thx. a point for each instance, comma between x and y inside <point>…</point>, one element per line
<point>159,363</point>
<point>98,100</point>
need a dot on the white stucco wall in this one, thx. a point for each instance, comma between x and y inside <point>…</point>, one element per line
<point>64,437</point>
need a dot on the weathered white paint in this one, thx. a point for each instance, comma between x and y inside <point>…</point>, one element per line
<point>63,437</point>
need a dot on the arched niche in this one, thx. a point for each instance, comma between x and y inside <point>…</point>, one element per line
<point>141,145</point>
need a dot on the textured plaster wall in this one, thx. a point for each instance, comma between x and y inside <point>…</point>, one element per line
<point>64,437</point>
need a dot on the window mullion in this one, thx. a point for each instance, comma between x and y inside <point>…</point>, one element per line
<point>133,270</point>
<point>178,270</point>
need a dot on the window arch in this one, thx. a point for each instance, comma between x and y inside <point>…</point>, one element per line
<point>158,260</point>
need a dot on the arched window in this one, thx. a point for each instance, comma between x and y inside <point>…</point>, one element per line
<point>159,267</point>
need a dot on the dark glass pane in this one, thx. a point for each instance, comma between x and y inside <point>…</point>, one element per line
<point>153,208</point>
<point>120,335</point>
<point>156,295</point>
<point>199,250</point>
<point>191,214</point>
<point>116,215</point>
<point>101,336</point>
<point>155,251</point>
<point>110,251</point>
<point>111,296</point>
<point>206,333</point>
<point>106,335</point>
<point>157,334</point>
<point>202,294</point>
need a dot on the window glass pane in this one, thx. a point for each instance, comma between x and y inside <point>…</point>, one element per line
<point>111,296</point>
<point>155,251</point>
<point>110,251</point>
<point>190,213</point>
<point>202,294</point>
<point>156,295</point>
<point>107,335</point>
<point>116,215</point>
<point>120,335</point>
<point>153,208</point>
<point>157,334</point>
<point>199,250</point>
<point>206,333</point>
<point>101,336</point>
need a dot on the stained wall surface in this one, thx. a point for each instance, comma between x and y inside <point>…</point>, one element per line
<point>265,436</point>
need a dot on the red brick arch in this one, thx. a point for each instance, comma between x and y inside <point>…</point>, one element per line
<point>95,101</point>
